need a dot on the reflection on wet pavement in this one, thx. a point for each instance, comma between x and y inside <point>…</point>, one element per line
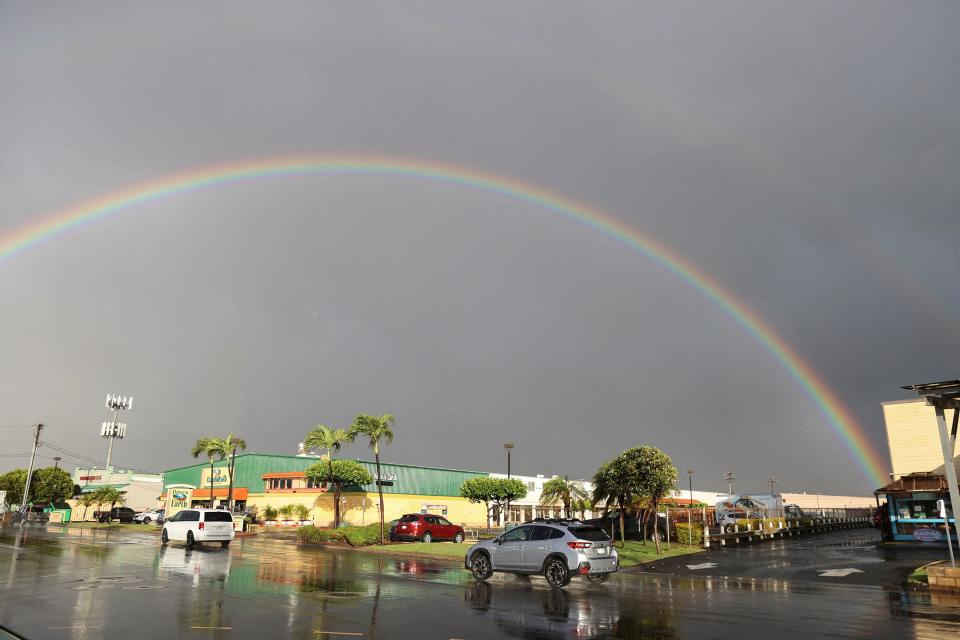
<point>95,585</point>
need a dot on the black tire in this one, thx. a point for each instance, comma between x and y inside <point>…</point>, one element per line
<point>599,578</point>
<point>190,540</point>
<point>458,538</point>
<point>557,573</point>
<point>427,537</point>
<point>146,521</point>
<point>224,543</point>
<point>164,538</point>
<point>657,533</point>
<point>480,566</point>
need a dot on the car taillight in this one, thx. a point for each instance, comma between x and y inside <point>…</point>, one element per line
<point>201,526</point>
<point>579,545</point>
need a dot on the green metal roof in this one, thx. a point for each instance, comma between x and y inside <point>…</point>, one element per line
<point>250,468</point>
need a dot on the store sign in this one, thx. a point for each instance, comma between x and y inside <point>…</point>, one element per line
<point>926,534</point>
<point>221,477</point>
<point>434,508</point>
<point>56,516</point>
<point>88,478</point>
<point>179,498</point>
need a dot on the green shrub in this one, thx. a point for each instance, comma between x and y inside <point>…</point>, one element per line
<point>269,513</point>
<point>683,533</point>
<point>310,533</point>
<point>362,536</point>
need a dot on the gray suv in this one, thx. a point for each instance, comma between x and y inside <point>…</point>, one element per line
<point>558,550</point>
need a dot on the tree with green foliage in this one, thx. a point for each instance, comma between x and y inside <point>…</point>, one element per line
<point>493,492</point>
<point>580,505</point>
<point>87,500</point>
<point>638,476</point>
<point>213,448</point>
<point>301,511</point>
<point>13,483</point>
<point>656,476</point>
<point>232,444</point>
<point>108,495</point>
<point>323,437</point>
<point>564,491</point>
<point>377,430</point>
<point>340,474</point>
<point>51,484</point>
<point>613,485</point>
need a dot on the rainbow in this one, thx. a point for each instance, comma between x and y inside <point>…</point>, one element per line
<point>853,435</point>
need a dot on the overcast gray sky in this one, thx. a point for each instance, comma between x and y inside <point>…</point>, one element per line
<point>805,155</point>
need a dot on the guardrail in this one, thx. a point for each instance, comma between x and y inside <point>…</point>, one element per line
<point>779,529</point>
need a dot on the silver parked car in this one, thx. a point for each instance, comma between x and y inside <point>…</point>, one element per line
<point>558,550</point>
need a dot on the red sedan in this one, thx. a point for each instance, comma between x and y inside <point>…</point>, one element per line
<point>426,527</point>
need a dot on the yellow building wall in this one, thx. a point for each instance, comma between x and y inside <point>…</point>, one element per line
<point>912,437</point>
<point>362,508</point>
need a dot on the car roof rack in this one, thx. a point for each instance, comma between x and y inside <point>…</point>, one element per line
<point>553,521</point>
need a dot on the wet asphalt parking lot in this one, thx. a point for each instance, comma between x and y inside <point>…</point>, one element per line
<point>94,584</point>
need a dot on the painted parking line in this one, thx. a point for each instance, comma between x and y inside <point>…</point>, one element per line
<point>338,633</point>
<point>838,573</point>
<point>211,627</point>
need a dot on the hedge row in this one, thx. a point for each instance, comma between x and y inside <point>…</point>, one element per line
<point>683,531</point>
<point>353,536</point>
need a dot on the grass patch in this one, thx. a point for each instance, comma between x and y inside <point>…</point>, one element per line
<point>919,576</point>
<point>637,553</point>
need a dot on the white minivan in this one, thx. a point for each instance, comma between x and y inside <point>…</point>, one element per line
<point>199,525</point>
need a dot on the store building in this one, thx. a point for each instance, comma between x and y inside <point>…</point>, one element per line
<point>529,506</point>
<point>262,480</point>
<point>140,490</point>
<point>917,479</point>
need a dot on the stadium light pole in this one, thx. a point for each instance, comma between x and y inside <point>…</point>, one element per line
<point>113,429</point>
<point>690,509</point>
<point>730,476</point>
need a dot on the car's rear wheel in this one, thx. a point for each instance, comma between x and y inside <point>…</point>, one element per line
<point>599,578</point>
<point>458,538</point>
<point>557,573</point>
<point>146,521</point>
<point>164,538</point>
<point>480,566</point>
<point>224,543</point>
<point>190,541</point>
<point>427,537</point>
<point>657,534</point>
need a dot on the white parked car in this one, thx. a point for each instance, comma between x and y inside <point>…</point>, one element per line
<point>194,526</point>
<point>146,517</point>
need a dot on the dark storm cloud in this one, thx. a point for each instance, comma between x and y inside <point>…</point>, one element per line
<point>803,155</point>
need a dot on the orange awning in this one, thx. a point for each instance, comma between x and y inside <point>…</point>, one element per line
<point>239,493</point>
<point>284,474</point>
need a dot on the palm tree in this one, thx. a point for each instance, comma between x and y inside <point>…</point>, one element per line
<point>564,491</point>
<point>232,444</point>
<point>376,429</point>
<point>612,484</point>
<point>323,437</point>
<point>87,499</point>
<point>212,448</point>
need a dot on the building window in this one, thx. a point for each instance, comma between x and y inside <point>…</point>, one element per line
<point>531,485</point>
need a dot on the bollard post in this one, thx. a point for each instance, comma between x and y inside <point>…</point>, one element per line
<point>706,536</point>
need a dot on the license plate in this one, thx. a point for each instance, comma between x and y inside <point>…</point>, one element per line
<point>602,551</point>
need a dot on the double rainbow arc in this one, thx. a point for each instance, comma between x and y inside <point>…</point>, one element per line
<point>853,436</point>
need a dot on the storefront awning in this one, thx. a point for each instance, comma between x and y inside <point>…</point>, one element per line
<point>90,488</point>
<point>239,493</point>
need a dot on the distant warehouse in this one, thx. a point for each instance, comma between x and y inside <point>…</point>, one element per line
<point>262,480</point>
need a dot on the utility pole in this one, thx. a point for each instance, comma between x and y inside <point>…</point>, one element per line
<point>509,447</point>
<point>26,489</point>
<point>690,509</point>
<point>730,476</point>
<point>113,429</point>
<point>772,480</point>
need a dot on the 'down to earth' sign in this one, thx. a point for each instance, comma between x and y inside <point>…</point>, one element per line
<point>221,477</point>
<point>179,497</point>
<point>926,534</point>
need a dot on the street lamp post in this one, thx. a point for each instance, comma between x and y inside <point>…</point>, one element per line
<point>690,508</point>
<point>113,429</point>
<point>56,462</point>
<point>772,480</point>
<point>509,447</point>
<point>730,476</point>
